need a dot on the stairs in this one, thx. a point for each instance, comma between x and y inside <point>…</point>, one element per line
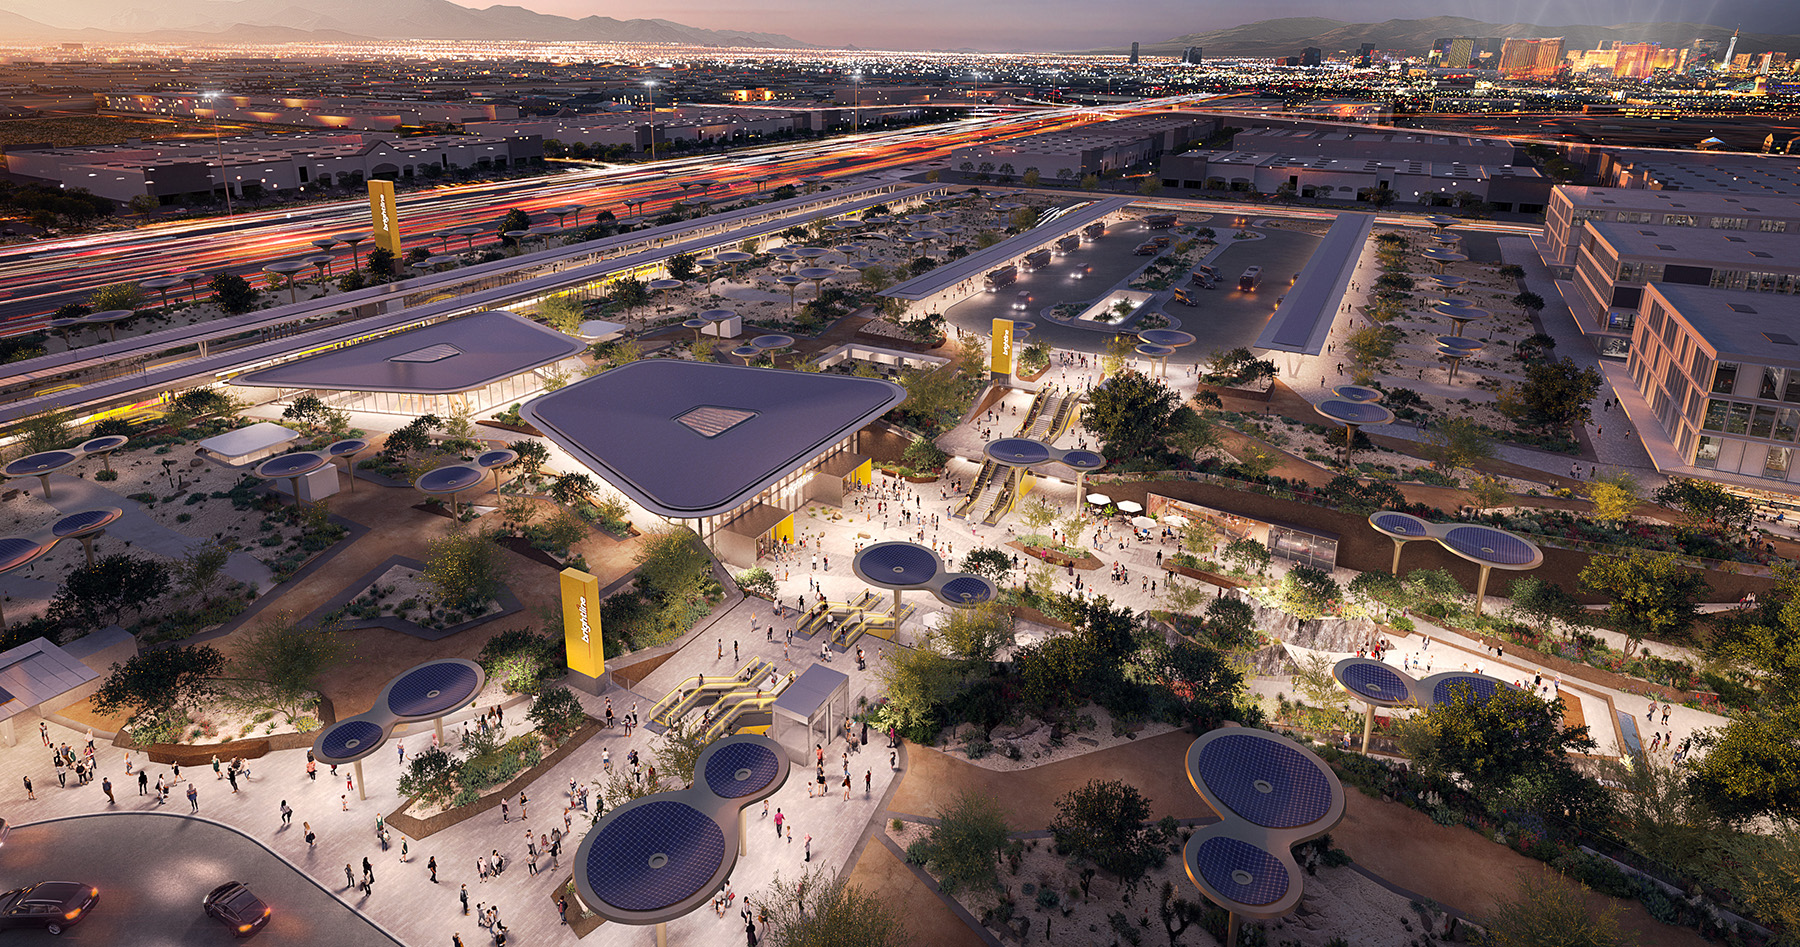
<point>977,490</point>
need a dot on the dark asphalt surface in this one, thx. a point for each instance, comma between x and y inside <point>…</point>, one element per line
<point>153,870</point>
<point>1224,319</point>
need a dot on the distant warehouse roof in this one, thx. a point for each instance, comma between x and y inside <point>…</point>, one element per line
<point>442,358</point>
<point>696,439</point>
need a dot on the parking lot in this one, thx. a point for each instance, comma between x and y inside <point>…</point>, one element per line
<point>153,870</point>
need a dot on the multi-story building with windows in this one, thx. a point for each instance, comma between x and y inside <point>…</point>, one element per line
<point>1615,262</point>
<point>1572,207</point>
<point>1719,371</point>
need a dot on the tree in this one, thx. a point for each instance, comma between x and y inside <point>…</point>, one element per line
<point>1203,680</point>
<point>278,665</point>
<point>49,430</point>
<point>1551,911</point>
<point>571,488</point>
<point>466,569</point>
<point>1090,181</point>
<point>1130,414</point>
<point>1614,495</point>
<point>557,713</point>
<point>827,911</point>
<point>975,634</point>
<point>917,681</point>
<point>877,277</point>
<point>1555,393</point>
<point>1486,492</point>
<point>1031,177</point>
<point>1706,502</point>
<point>966,843</point>
<point>117,296</point>
<point>563,313</point>
<point>924,455</point>
<point>197,403</point>
<point>1510,739</point>
<point>628,293</point>
<point>1456,442</point>
<point>671,562</point>
<point>1541,604</point>
<point>1103,823</point>
<point>1657,813</point>
<point>1371,345</point>
<point>203,567</point>
<point>682,266</point>
<point>1526,299</point>
<point>1024,218</point>
<point>101,594</point>
<point>1307,593</point>
<point>1245,554</point>
<point>1649,594</point>
<point>233,293</point>
<point>144,204</point>
<point>154,683</point>
<point>1232,623</point>
<point>987,561</point>
<point>1150,186</point>
<point>1511,271</point>
<point>522,660</point>
<point>1237,368</point>
<point>430,775</point>
<point>758,582</point>
<point>515,219</point>
<point>533,455</point>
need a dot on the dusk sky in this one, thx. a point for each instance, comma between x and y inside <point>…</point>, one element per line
<point>1085,24</point>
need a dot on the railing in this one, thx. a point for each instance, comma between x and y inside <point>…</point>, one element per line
<point>682,698</point>
<point>1031,413</point>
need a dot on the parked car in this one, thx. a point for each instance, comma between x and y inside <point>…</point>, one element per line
<point>52,905</point>
<point>237,907</point>
<point>1182,297</point>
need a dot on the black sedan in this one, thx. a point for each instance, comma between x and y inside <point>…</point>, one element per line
<point>237,907</point>
<point>51,905</point>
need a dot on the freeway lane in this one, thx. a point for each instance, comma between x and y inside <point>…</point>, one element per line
<point>37,278</point>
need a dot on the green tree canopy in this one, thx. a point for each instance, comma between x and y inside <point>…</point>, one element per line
<point>1511,738</point>
<point>1555,393</point>
<point>102,593</point>
<point>1549,911</point>
<point>515,219</point>
<point>467,569</point>
<point>1103,823</point>
<point>1131,415</point>
<point>966,843</point>
<point>1706,502</point>
<point>156,682</point>
<point>278,665</point>
<point>1650,594</point>
<point>827,911</point>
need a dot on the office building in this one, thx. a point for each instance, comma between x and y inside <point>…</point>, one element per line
<point>1427,183</point>
<point>1091,149</point>
<point>1719,371</point>
<point>346,112</point>
<point>1311,56</point>
<point>1134,53</point>
<point>1459,53</point>
<point>1615,261</point>
<point>1191,55</point>
<point>1570,208</point>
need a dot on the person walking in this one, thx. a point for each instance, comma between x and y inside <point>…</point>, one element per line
<point>808,849</point>
<point>143,782</point>
<point>431,866</point>
<point>231,778</point>
<point>456,938</point>
<point>562,909</point>
<point>287,813</point>
<point>193,797</point>
<point>403,850</point>
<point>310,837</point>
<point>779,819</point>
<point>44,732</point>
<point>464,896</point>
<point>29,792</point>
<point>505,811</point>
<point>106,787</point>
<point>368,870</point>
<point>349,876</point>
<point>215,765</point>
<point>481,867</point>
<point>522,816</point>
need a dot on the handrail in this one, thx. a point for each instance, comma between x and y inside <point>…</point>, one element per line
<point>677,701</point>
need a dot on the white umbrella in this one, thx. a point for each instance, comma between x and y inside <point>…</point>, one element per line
<point>1143,522</point>
<point>1130,506</point>
<point>1099,499</point>
<point>1175,519</point>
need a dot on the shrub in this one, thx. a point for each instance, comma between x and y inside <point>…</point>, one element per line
<point>522,660</point>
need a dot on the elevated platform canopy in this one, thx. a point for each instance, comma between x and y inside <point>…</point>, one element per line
<point>1304,318</point>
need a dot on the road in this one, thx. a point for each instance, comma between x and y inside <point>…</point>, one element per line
<point>152,897</point>
<point>38,277</point>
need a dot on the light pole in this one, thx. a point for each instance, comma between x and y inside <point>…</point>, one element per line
<point>651,85</point>
<point>856,112</point>
<point>220,145</point>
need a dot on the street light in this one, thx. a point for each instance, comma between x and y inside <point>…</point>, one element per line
<point>651,85</point>
<point>220,145</point>
<point>856,113</point>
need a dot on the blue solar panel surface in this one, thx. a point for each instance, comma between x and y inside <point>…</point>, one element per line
<point>1400,523</point>
<point>15,551</point>
<point>899,564</point>
<point>288,465</point>
<point>757,762</point>
<point>968,588</point>
<point>619,862</point>
<point>772,341</point>
<point>1084,460</point>
<point>349,446</point>
<point>1492,545</point>
<point>1221,857</point>
<point>1154,351</point>
<point>445,479</point>
<point>1374,682</point>
<point>495,458</point>
<point>38,463</point>
<point>1356,393</point>
<point>1018,450</point>
<point>104,443</point>
<point>1355,412</point>
<point>349,737</point>
<point>77,522</point>
<point>1450,688</point>
<point>1232,766</point>
<point>432,690</point>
